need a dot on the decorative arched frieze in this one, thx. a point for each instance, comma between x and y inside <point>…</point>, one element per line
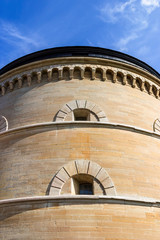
<point>138,83</point>
<point>82,168</point>
<point>155,91</point>
<point>100,74</point>
<point>69,107</point>
<point>129,79</point>
<point>120,76</point>
<point>88,73</point>
<point>3,124</point>
<point>79,71</point>
<point>110,75</point>
<point>66,73</point>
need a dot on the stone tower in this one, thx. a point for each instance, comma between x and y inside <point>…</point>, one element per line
<point>79,146</point>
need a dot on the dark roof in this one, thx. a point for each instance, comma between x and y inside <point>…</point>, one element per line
<point>78,51</point>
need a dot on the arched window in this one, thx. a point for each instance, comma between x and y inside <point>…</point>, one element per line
<point>82,184</point>
<point>3,124</point>
<point>82,114</point>
<point>156,126</point>
<point>80,110</point>
<point>81,177</point>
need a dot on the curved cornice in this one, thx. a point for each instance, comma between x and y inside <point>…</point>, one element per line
<point>50,126</point>
<point>80,51</point>
<point>102,70</point>
<point>81,199</point>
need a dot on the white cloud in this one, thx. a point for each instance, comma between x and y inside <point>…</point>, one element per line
<point>111,13</point>
<point>13,36</point>
<point>11,32</point>
<point>150,5</point>
<point>18,42</point>
<point>135,15</point>
<point>154,3</point>
<point>125,40</point>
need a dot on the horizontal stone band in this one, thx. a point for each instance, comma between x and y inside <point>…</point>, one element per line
<point>93,199</point>
<point>50,126</point>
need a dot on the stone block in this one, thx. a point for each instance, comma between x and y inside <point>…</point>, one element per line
<point>58,119</point>
<point>69,117</point>
<point>81,103</point>
<point>101,114</point>
<point>90,105</point>
<point>103,119</point>
<point>66,109</point>
<point>93,168</point>
<point>107,183</point>
<point>96,109</point>
<point>110,191</point>
<point>102,175</point>
<point>72,105</point>
<point>82,166</point>
<point>57,183</point>
<point>62,174</point>
<point>97,188</point>
<point>54,191</point>
<point>66,189</point>
<point>61,114</point>
<point>71,168</point>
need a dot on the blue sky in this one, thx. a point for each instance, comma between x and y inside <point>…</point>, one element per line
<point>130,26</point>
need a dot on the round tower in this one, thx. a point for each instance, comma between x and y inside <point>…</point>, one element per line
<point>79,146</point>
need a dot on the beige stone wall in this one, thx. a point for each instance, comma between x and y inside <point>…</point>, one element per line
<point>96,220</point>
<point>35,92</point>
<point>125,147</point>
<point>31,157</point>
<point>40,103</point>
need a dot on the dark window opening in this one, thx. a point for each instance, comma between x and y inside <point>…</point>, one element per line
<point>81,115</point>
<point>80,118</point>
<point>82,184</point>
<point>86,189</point>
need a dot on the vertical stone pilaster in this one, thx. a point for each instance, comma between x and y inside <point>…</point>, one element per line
<point>49,75</point>
<point>82,73</point>
<point>93,74</point>
<point>3,90</point>
<point>134,82</point>
<point>71,73</point>
<point>11,86</point>
<point>39,77</point>
<point>150,90</point>
<point>124,81</point>
<point>104,75</point>
<point>19,82</point>
<point>142,86</point>
<point>29,79</point>
<point>60,73</point>
<point>114,77</point>
<point>157,95</point>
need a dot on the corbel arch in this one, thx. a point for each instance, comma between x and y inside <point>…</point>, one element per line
<point>66,113</point>
<point>77,72</point>
<point>79,170</point>
<point>99,74</point>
